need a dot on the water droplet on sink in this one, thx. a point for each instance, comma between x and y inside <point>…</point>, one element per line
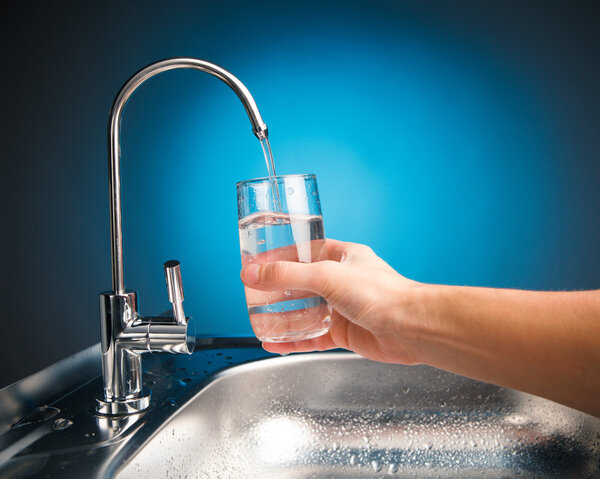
<point>287,293</point>
<point>290,190</point>
<point>62,423</point>
<point>392,468</point>
<point>376,466</point>
<point>42,413</point>
<point>353,459</point>
<point>406,390</point>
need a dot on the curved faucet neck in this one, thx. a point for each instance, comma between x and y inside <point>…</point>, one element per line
<point>114,128</point>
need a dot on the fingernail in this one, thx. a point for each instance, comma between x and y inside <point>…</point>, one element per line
<point>250,273</point>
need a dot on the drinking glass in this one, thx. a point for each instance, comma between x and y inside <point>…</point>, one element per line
<point>280,220</point>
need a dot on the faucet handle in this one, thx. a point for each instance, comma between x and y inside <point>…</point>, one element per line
<point>175,289</point>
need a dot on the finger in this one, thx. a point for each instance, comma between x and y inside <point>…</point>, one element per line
<point>320,250</point>
<point>341,250</point>
<point>288,275</point>
<point>303,252</point>
<point>336,250</point>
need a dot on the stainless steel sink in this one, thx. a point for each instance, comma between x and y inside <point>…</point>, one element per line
<point>232,410</point>
<point>338,415</point>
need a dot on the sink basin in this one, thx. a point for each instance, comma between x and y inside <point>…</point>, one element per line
<point>338,415</point>
<point>232,410</point>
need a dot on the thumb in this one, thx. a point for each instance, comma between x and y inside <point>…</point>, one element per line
<point>283,275</point>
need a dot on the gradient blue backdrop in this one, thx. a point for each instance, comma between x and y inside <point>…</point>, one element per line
<point>458,139</point>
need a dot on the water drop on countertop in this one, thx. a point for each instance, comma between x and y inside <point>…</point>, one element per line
<point>61,424</point>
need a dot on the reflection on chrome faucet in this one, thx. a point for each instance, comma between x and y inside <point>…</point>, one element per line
<point>125,334</point>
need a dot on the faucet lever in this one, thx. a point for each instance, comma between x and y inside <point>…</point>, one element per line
<point>175,289</point>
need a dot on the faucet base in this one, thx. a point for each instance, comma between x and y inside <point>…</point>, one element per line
<point>121,408</point>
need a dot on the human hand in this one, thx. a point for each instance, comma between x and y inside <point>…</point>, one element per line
<point>371,302</point>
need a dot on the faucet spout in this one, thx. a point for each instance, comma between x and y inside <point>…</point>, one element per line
<point>125,334</point>
<point>259,128</point>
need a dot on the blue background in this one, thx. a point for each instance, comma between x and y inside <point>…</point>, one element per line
<point>458,139</point>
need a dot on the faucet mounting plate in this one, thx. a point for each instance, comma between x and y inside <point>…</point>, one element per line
<point>117,408</point>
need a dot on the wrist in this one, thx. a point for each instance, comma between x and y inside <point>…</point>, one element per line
<point>423,319</point>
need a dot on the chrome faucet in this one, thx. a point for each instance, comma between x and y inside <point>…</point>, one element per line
<point>126,334</point>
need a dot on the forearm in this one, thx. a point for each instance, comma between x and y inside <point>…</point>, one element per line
<point>544,343</point>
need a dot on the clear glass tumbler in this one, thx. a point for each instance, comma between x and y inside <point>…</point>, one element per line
<point>280,219</point>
